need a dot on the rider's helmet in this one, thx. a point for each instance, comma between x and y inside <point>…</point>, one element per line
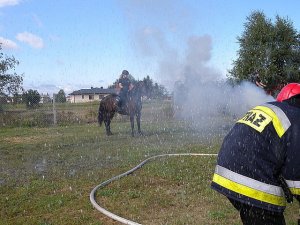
<point>125,73</point>
<point>288,91</point>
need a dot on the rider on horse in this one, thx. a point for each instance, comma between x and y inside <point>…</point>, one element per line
<point>124,84</point>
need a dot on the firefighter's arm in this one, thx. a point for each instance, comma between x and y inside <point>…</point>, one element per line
<point>120,85</point>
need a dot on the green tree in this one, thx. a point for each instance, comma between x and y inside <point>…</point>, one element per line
<point>270,49</point>
<point>159,91</point>
<point>286,51</point>
<point>148,85</point>
<point>10,82</point>
<point>60,96</point>
<point>31,98</point>
<point>17,98</point>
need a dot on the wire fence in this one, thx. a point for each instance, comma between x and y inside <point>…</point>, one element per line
<point>54,113</point>
<point>47,114</point>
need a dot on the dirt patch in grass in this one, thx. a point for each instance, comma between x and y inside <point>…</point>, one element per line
<point>23,140</point>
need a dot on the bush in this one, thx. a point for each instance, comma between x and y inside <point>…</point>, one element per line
<point>66,118</point>
<point>25,119</point>
<point>31,98</point>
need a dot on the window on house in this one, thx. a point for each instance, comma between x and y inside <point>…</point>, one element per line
<point>91,97</point>
<point>82,96</point>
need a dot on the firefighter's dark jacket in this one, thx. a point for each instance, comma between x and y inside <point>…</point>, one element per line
<point>261,146</point>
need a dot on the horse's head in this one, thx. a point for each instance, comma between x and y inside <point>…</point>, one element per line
<point>140,88</point>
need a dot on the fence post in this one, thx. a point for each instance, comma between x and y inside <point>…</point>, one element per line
<point>54,110</point>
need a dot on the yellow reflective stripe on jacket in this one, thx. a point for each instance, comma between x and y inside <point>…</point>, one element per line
<point>248,186</point>
<point>295,191</point>
<point>294,186</point>
<point>261,116</point>
<point>280,121</point>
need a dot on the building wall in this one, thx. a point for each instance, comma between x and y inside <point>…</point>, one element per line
<point>45,99</point>
<point>86,98</point>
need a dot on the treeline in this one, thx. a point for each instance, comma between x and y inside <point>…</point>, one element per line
<point>32,98</point>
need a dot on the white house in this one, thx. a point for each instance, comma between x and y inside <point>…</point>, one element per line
<point>45,98</point>
<point>88,95</point>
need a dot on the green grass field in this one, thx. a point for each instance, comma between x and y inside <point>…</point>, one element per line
<point>47,174</point>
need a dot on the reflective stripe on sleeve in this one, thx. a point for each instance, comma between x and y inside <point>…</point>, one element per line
<point>248,186</point>
<point>294,186</point>
<point>280,121</point>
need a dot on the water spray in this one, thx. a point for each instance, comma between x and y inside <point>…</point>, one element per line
<point>103,184</point>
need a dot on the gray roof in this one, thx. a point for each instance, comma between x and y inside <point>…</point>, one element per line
<point>93,91</point>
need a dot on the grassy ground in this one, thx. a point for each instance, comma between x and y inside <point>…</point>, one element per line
<point>47,174</point>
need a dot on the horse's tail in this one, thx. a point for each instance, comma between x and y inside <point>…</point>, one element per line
<point>101,113</point>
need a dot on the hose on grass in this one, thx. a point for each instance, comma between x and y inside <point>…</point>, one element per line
<point>103,184</point>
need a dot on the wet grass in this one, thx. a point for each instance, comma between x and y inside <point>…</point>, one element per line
<point>47,174</point>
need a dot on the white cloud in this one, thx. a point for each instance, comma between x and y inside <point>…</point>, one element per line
<point>8,44</point>
<point>31,39</point>
<point>4,3</point>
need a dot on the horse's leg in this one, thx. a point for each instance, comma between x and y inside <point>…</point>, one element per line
<point>138,122</point>
<point>107,124</point>
<point>106,127</point>
<point>132,124</point>
<point>110,117</point>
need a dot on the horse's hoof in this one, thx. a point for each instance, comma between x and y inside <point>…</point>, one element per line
<point>141,133</point>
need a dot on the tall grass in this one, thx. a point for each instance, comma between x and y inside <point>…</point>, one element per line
<point>43,116</point>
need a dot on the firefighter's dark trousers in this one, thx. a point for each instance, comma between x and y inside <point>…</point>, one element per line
<point>251,215</point>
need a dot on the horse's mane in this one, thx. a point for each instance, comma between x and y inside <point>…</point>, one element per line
<point>137,87</point>
<point>114,95</point>
<point>109,96</point>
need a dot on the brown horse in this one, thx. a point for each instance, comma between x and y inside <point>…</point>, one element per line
<point>108,108</point>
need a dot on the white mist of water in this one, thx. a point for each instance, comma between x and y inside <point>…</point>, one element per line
<point>201,94</point>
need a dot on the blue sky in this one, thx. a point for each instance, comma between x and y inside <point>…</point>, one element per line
<point>74,44</point>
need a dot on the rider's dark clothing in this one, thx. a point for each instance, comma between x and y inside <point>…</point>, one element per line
<point>125,82</point>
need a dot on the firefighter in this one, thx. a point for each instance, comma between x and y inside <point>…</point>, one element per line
<point>258,166</point>
<point>124,85</point>
<point>258,81</point>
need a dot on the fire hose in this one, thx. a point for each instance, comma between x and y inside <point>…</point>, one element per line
<point>103,184</point>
